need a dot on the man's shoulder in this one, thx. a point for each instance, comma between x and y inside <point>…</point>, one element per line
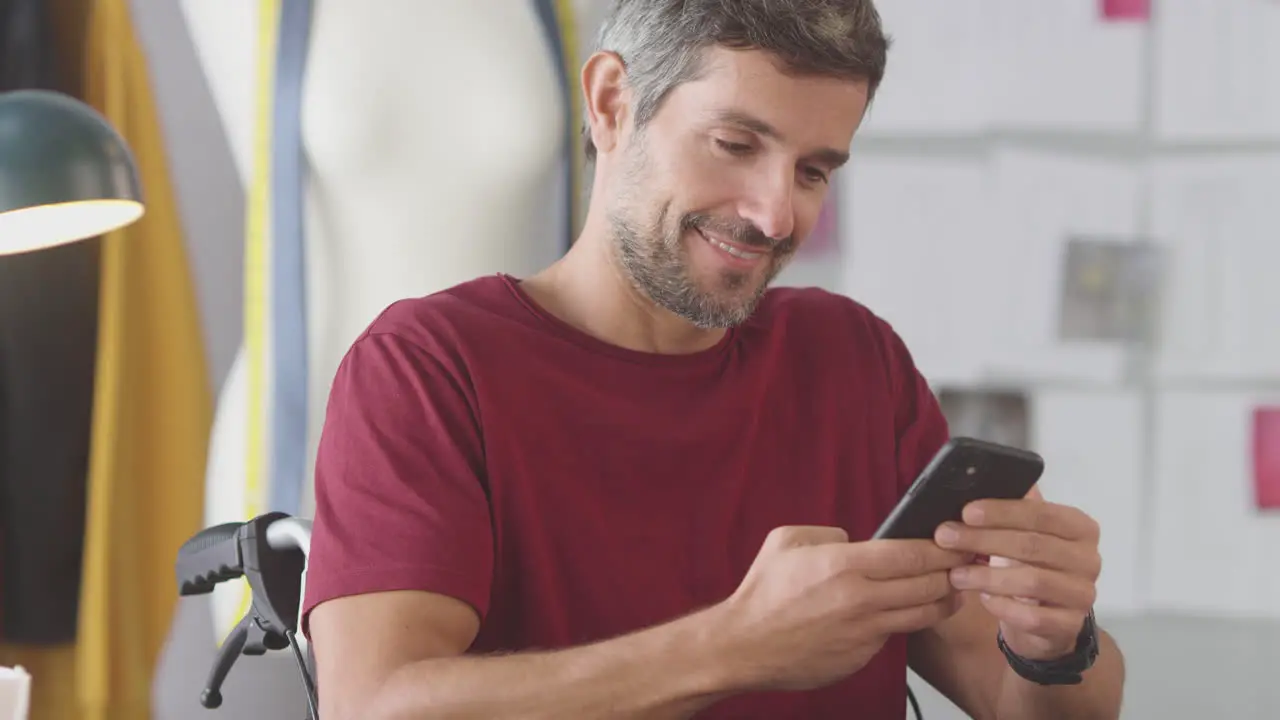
<point>813,309</point>
<point>450,329</point>
<point>449,314</point>
<point>832,330</point>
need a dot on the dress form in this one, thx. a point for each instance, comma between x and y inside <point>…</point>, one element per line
<point>432,132</point>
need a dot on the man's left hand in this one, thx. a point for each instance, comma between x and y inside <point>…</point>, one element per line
<point>1046,586</point>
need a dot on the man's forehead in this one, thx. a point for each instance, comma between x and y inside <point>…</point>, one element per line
<point>735,65</point>
<point>739,76</point>
<point>750,90</point>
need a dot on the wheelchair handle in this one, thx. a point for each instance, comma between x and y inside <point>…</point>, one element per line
<point>270,552</point>
<point>289,533</point>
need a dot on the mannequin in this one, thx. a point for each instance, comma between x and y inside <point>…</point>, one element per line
<point>434,136</point>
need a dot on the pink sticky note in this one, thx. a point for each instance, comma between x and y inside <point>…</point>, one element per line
<point>1126,9</point>
<point>1266,457</point>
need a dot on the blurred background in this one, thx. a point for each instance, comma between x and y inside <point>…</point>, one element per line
<point>1070,209</point>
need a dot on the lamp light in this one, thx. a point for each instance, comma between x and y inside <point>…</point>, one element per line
<point>65,173</point>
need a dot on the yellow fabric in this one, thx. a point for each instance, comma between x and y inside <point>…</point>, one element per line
<point>153,405</point>
<point>257,272</point>
<point>568,22</point>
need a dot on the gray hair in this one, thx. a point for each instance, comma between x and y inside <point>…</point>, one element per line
<point>662,42</point>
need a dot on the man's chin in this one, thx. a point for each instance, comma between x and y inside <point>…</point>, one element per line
<point>735,287</point>
<point>726,310</point>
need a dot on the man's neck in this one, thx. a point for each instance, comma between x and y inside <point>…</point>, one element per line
<point>590,291</point>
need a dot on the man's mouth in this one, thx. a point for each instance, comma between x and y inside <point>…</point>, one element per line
<point>734,250</point>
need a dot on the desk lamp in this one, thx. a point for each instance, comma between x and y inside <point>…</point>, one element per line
<point>65,173</point>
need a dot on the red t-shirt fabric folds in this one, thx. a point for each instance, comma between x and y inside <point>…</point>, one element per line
<point>572,491</point>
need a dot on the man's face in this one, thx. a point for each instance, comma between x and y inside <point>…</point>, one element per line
<point>719,190</point>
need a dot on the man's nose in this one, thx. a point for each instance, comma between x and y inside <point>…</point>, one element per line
<point>771,207</point>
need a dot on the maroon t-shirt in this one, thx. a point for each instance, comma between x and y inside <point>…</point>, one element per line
<point>573,491</point>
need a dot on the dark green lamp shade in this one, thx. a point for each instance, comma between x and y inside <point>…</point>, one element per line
<point>65,173</point>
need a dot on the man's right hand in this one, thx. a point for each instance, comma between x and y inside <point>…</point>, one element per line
<point>815,608</point>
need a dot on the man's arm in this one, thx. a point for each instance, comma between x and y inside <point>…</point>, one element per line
<point>402,559</point>
<point>960,659</point>
<point>385,656</point>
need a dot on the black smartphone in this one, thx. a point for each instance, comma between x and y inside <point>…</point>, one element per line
<point>964,470</point>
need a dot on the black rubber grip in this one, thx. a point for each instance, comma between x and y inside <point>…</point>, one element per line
<point>210,557</point>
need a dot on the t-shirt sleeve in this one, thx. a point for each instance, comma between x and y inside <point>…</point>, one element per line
<point>400,500</point>
<point>919,425</point>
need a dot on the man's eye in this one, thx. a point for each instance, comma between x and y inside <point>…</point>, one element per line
<point>733,148</point>
<point>815,175</point>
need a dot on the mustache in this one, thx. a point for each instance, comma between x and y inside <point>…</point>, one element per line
<point>740,231</point>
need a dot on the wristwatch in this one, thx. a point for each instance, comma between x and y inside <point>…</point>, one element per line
<point>1068,670</point>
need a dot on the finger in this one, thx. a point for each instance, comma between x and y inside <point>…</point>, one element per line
<point>790,536</point>
<point>913,619</point>
<point>908,592</point>
<point>1049,551</point>
<point>1049,587</point>
<point>889,559</point>
<point>1038,620</point>
<point>1046,518</point>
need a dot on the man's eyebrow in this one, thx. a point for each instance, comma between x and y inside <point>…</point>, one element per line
<point>830,157</point>
<point>750,122</point>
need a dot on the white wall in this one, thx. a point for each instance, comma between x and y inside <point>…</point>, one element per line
<point>1003,129</point>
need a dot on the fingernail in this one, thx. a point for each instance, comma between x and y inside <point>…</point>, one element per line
<point>959,576</point>
<point>973,514</point>
<point>947,534</point>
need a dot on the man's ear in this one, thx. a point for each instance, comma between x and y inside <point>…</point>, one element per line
<point>606,98</point>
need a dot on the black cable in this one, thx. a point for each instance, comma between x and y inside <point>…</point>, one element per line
<point>915,706</point>
<point>306,675</point>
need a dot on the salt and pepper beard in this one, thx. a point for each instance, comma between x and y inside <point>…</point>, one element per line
<point>656,261</point>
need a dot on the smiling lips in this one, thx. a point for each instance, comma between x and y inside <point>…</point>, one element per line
<point>735,251</point>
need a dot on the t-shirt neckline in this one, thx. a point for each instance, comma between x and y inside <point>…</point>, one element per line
<point>589,342</point>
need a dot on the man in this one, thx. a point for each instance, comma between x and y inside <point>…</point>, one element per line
<point>639,485</point>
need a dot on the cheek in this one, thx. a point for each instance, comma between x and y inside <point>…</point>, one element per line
<point>704,183</point>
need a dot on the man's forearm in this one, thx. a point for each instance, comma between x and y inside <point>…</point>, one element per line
<point>1098,697</point>
<point>666,672</point>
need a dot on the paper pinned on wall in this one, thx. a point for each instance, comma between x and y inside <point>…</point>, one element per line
<point>918,253</point>
<point>1126,10</point>
<point>1092,443</point>
<point>999,416</point>
<point>1201,474</point>
<point>1266,457</point>
<point>1043,200</point>
<point>1110,290</point>
<point>1217,70</point>
<point>1060,69</point>
<point>938,69</point>
<point>1219,220</point>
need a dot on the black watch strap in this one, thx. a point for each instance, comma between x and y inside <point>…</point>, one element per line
<point>1067,670</point>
